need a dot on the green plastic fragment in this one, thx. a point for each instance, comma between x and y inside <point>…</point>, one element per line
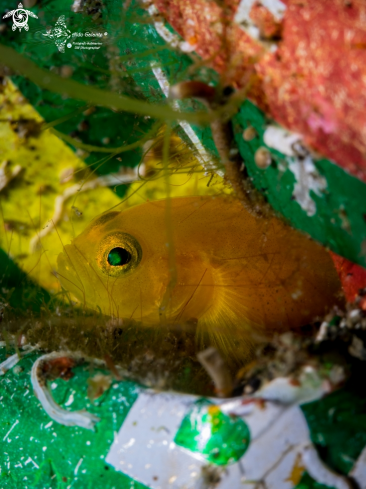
<point>339,221</point>
<point>338,426</point>
<point>219,438</point>
<point>38,453</point>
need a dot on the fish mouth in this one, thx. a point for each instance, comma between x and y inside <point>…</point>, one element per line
<point>73,275</point>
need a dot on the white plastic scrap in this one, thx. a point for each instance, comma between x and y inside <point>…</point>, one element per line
<point>12,361</point>
<point>9,363</point>
<point>307,179</point>
<point>281,140</point>
<point>307,176</point>
<point>322,333</point>
<point>275,422</point>
<point>67,418</point>
<point>310,388</point>
<point>279,437</point>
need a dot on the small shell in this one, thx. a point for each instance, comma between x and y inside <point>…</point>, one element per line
<point>262,158</point>
<point>249,133</point>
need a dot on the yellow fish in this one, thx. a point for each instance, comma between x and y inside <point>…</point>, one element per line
<point>213,264</point>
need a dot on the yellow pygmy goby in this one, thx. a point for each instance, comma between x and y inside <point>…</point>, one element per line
<point>235,274</point>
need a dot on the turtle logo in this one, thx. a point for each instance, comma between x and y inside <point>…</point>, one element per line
<point>60,33</point>
<point>20,17</point>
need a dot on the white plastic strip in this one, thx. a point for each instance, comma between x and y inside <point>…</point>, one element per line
<point>11,361</point>
<point>67,418</point>
<point>205,158</point>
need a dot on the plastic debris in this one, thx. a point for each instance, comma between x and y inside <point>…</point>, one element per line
<point>67,418</point>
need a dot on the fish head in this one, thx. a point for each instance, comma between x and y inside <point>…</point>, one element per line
<point>116,266</point>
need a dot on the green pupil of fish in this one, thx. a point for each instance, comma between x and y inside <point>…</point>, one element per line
<point>118,257</point>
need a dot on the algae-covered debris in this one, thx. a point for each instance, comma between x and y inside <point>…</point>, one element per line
<point>165,356</point>
<point>335,347</point>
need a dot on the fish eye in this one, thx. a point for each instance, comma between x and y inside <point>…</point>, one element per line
<point>118,257</point>
<point>118,254</point>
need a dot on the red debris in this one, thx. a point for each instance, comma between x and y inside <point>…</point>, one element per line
<point>353,277</point>
<point>294,382</point>
<point>362,304</point>
<point>59,367</point>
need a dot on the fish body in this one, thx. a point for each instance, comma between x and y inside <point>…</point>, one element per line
<point>203,259</point>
